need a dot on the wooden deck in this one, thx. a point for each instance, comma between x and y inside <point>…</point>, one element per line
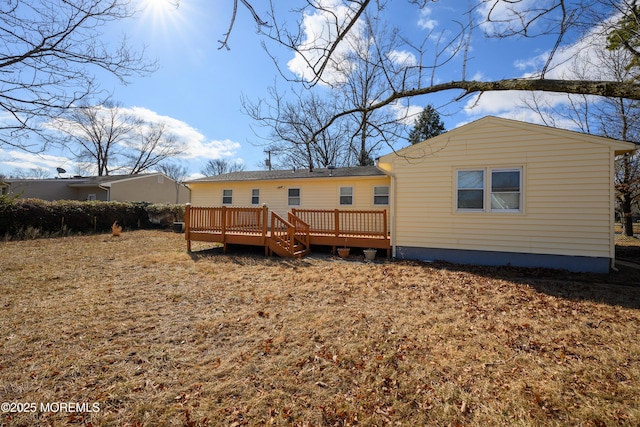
<point>293,236</point>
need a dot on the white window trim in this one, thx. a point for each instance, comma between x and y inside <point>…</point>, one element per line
<point>231,196</point>
<point>484,190</point>
<point>299,197</point>
<point>487,190</point>
<point>378,195</point>
<point>258,196</point>
<point>490,192</point>
<point>340,196</point>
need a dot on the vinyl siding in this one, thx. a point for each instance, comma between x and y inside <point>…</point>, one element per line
<point>314,193</point>
<point>148,189</point>
<point>567,192</point>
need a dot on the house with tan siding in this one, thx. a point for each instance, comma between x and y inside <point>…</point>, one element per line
<point>151,187</point>
<point>359,188</point>
<point>499,192</point>
<point>492,192</point>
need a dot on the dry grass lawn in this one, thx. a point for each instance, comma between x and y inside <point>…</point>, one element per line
<point>157,337</point>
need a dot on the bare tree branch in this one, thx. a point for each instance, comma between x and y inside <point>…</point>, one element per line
<point>51,49</point>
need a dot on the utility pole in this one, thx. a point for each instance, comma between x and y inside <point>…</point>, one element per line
<point>268,161</point>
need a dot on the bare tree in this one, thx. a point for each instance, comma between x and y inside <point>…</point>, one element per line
<point>33,173</point>
<point>113,138</point>
<point>96,134</point>
<point>150,144</point>
<point>616,118</point>
<point>50,52</point>
<point>291,125</point>
<point>220,166</point>
<point>361,75</point>
<point>369,72</point>
<point>559,20</point>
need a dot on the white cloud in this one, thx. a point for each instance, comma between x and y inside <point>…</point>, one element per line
<point>580,60</point>
<point>403,57</point>
<point>425,22</point>
<point>508,15</point>
<point>196,144</point>
<point>22,160</point>
<point>320,31</point>
<point>406,114</point>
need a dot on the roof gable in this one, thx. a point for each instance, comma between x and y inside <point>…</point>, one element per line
<point>619,147</point>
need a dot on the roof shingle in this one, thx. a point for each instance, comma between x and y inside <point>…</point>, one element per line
<point>293,174</point>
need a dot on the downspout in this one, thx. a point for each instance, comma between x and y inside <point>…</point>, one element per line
<point>108,190</point>
<point>612,211</point>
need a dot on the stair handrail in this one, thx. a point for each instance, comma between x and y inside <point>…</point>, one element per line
<point>302,230</point>
<point>277,225</point>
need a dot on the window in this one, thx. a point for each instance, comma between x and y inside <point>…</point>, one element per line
<point>294,197</point>
<point>498,188</point>
<point>255,196</point>
<point>381,195</point>
<point>227,197</point>
<point>346,195</point>
<point>505,190</point>
<point>91,197</point>
<point>471,190</point>
<point>160,179</point>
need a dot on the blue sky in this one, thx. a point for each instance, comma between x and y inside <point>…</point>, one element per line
<point>198,87</point>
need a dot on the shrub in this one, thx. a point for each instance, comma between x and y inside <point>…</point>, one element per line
<point>30,218</point>
<point>164,214</point>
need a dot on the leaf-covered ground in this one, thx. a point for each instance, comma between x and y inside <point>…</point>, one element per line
<point>156,336</point>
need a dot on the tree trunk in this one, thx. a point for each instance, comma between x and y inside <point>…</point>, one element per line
<point>627,217</point>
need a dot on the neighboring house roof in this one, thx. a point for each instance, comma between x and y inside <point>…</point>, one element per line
<point>358,171</point>
<point>86,181</point>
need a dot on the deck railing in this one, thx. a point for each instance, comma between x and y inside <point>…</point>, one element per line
<point>226,219</point>
<point>336,222</point>
<point>303,227</point>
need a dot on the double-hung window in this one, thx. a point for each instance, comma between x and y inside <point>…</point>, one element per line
<point>293,197</point>
<point>227,197</point>
<point>381,195</point>
<point>346,195</point>
<point>506,190</point>
<point>255,196</point>
<point>470,190</point>
<point>498,188</point>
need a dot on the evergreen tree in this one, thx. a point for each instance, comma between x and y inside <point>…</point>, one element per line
<point>426,126</point>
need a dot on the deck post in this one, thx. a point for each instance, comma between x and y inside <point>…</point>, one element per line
<point>187,225</point>
<point>265,219</point>
<point>223,230</point>
<point>223,220</point>
<point>386,234</point>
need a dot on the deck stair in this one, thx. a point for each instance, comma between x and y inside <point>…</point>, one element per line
<point>288,238</point>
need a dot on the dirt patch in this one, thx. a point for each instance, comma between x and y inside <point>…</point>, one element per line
<point>155,336</point>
